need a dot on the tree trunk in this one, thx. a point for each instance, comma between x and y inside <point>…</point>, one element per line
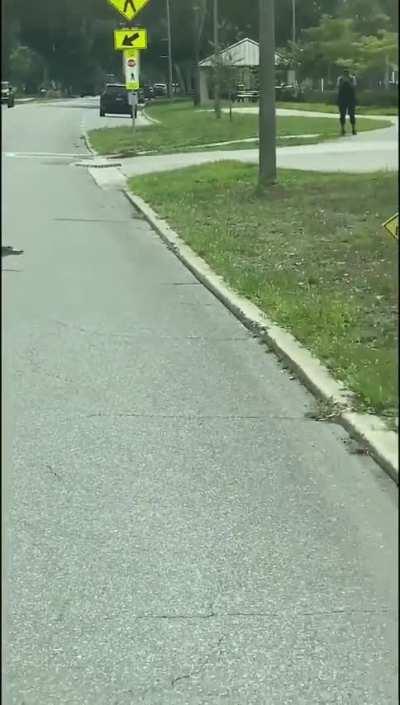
<point>196,69</point>
<point>387,75</point>
<point>180,78</point>
<point>199,11</point>
<point>196,77</point>
<point>188,79</point>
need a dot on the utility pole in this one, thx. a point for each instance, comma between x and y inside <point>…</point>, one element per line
<point>169,50</point>
<point>294,36</point>
<point>267,147</point>
<point>217,102</point>
<point>294,21</point>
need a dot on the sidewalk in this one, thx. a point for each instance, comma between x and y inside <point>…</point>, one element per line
<point>24,100</point>
<point>367,152</point>
<point>311,113</point>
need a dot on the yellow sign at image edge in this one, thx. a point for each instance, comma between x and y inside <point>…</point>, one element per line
<point>392,226</point>
<point>128,8</point>
<point>135,38</point>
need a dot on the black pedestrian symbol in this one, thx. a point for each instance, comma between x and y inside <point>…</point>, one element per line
<point>129,4</point>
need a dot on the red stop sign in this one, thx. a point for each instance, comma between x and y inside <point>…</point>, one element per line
<point>131,63</point>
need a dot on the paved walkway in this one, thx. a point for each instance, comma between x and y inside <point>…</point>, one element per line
<point>367,152</point>
<point>289,112</point>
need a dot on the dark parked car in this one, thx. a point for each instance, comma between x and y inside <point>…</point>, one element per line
<point>7,94</point>
<point>143,99</point>
<point>114,100</point>
<point>148,92</point>
<point>88,90</point>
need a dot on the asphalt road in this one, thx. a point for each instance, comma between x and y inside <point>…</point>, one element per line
<point>93,121</point>
<point>177,530</point>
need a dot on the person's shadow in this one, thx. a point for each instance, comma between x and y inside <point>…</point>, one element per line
<point>8,250</point>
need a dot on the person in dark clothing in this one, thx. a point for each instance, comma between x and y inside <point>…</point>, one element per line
<point>346,85</point>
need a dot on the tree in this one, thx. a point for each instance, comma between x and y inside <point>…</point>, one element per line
<point>368,16</point>
<point>199,17</point>
<point>9,35</point>
<point>377,54</point>
<point>338,42</point>
<point>26,69</point>
<point>330,44</point>
<point>74,37</point>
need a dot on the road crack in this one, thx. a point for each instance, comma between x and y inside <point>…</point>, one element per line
<point>266,614</point>
<point>186,676</point>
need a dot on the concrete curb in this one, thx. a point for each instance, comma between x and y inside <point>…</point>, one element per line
<point>22,101</point>
<point>381,443</point>
<point>92,164</point>
<point>87,142</point>
<point>86,138</point>
<point>155,122</point>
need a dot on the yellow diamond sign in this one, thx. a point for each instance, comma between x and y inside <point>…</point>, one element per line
<point>392,226</point>
<point>129,8</point>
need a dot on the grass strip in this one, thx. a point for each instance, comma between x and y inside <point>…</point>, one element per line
<point>311,252</point>
<point>181,127</point>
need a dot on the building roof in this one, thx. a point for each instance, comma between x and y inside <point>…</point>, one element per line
<point>246,52</point>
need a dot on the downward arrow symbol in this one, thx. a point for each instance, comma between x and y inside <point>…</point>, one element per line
<point>128,40</point>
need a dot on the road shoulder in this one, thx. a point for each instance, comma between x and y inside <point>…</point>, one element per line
<point>370,430</point>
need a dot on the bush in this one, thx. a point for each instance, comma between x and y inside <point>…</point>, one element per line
<point>329,97</point>
<point>383,98</point>
<point>379,97</point>
<point>162,100</point>
<point>289,94</point>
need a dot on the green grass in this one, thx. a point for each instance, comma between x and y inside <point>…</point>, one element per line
<point>311,253</point>
<point>182,127</point>
<point>326,108</point>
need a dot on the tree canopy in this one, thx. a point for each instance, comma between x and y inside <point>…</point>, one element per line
<point>70,41</point>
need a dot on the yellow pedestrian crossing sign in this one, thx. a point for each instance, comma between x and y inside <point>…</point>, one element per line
<point>392,226</point>
<point>129,8</point>
<point>130,39</point>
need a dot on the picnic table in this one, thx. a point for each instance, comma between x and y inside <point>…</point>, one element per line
<point>251,96</point>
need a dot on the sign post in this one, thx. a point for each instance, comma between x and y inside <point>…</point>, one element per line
<point>132,97</point>
<point>129,41</point>
<point>131,71</point>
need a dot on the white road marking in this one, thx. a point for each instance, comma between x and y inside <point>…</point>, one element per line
<point>47,155</point>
